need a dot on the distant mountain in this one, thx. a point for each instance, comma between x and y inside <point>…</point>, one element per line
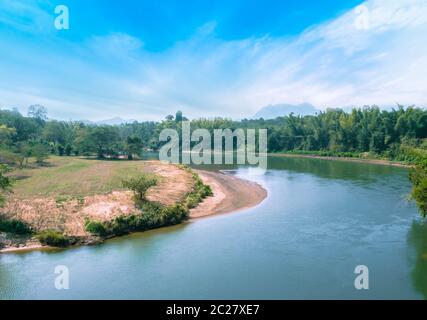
<point>280,110</point>
<point>116,121</point>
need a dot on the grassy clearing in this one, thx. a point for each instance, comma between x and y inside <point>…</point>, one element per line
<point>73,177</point>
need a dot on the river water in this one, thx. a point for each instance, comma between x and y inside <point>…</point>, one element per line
<point>321,219</point>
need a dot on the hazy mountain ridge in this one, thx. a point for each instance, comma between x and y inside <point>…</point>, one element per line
<point>284,109</point>
<point>116,121</point>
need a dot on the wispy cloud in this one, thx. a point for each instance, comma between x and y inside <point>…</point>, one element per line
<point>25,15</point>
<point>332,64</point>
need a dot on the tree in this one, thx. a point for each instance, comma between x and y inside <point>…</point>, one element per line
<point>55,132</point>
<point>6,134</point>
<point>140,185</point>
<point>419,191</point>
<point>133,146</point>
<point>11,158</point>
<point>5,183</point>
<point>178,116</point>
<point>24,150</point>
<point>40,152</point>
<point>37,112</point>
<point>25,128</point>
<point>68,150</point>
<point>61,150</point>
<point>418,177</point>
<point>103,139</point>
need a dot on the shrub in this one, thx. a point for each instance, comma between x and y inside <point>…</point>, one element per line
<point>40,152</point>
<point>153,215</point>
<point>15,227</point>
<point>192,200</point>
<point>11,158</point>
<point>140,185</point>
<point>5,182</point>
<point>199,192</point>
<point>419,194</point>
<point>174,214</point>
<point>206,191</point>
<point>95,227</point>
<point>53,238</point>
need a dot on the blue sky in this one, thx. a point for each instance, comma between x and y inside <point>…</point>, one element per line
<point>160,24</point>
<point>146,59</point>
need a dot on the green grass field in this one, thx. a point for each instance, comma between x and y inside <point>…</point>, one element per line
<point>73,176</point>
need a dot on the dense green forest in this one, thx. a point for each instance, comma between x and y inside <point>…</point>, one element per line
<point>399,134</point>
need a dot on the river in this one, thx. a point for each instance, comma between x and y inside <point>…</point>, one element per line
<point>320,220</point>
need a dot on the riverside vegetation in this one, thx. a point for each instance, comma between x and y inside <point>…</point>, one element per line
<point>153,214</point>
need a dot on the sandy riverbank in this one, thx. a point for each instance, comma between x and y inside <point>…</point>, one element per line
<point>230,194</point>
<point>358,160</point>
<point>25,248</point>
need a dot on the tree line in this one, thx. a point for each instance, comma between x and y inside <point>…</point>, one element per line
<point>36,136</point>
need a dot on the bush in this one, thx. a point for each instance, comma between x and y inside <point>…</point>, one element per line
<point>199,192</point>
<point>419,194</point>
<point>40,152</point>
<point>153,215</point>
<point>95,227</point>
<point>206,191</point>
<point>174,214</point>
<point>53,238</point>
<point>140,185</point>
<point>192,200</point>
<point>15,227</point>
<point>61,150</point>
<point>11,158</point>
<point>5,182</point>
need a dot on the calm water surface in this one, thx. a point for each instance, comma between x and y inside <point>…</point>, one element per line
<point>320,220</point>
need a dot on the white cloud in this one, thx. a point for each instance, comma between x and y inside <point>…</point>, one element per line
<point>115,45</point>
<point>26,16</point>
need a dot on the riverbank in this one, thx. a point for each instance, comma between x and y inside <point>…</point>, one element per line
<point>229,194</point>
<point>349,159</point>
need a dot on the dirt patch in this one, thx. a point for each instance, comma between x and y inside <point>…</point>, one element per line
<point>174,184</point>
